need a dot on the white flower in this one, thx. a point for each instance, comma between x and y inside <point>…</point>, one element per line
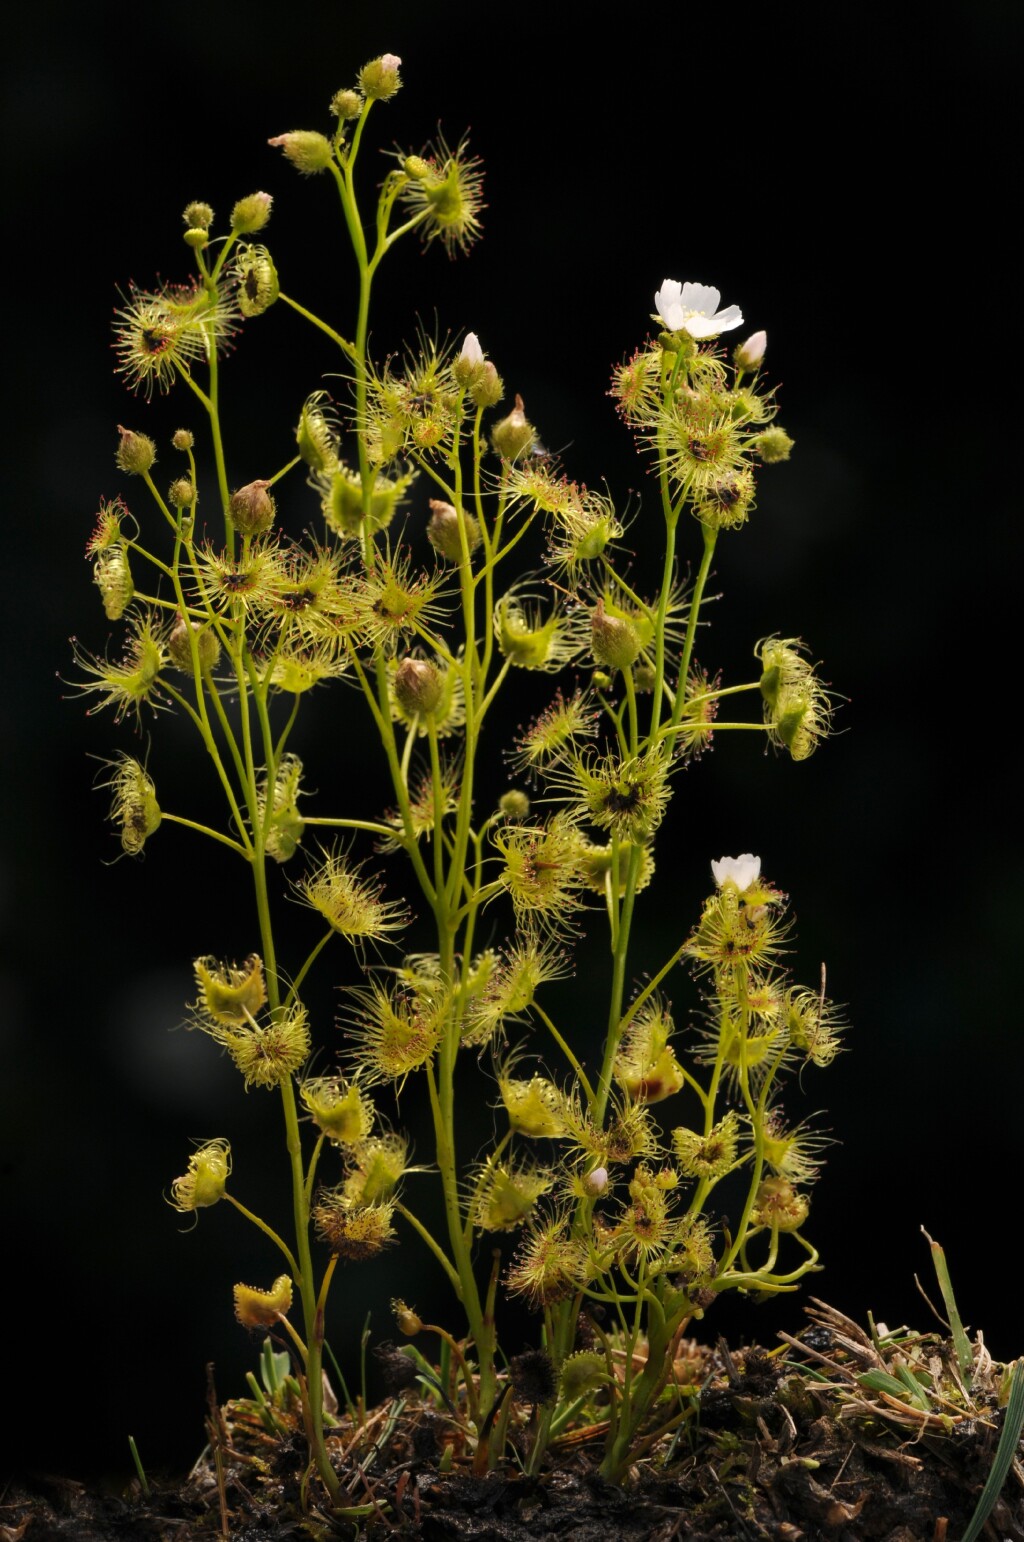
<point>749,354</point>
<point>742,871</point>
<point>390,62</point>
<point>693,308</point>
<point>596,1181</point>
<point>472,353</point>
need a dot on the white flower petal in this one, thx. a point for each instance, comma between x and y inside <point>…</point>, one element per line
<point>693,308</point>
<point>666,303</point>
<point>742,871</point>
<point>698,326</point>
<point>701,297</point>
<point>750,353</point>
<point>471,350</point>
<point>731,317</point>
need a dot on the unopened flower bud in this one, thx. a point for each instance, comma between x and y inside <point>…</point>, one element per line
<point>380,79</point>
<point>773,445</point>
<point>596,1181</point>
<point>513,435</point>
<point>308,151</point>
<point>469,361</point>
<point>514,804</point>
<point>471,351</point>
<point>135,453</point>
<point>416,167</point>
<point>207,646</point>
<point>196,238</point>
<point>444,534</point>
<point>181,493</point>
<point>252,509</point>
<point>749,354</point>
<point>251,214</point>
<point>346,104</point>
<point>183,439</point>
<point>486,388</point>
<point>418,687</point>
<point>614,640</point>
<point>198,216</point>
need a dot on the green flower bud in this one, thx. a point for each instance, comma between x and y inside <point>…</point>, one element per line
<point>614,640</point>
<point>346,105</point>
<point>198,216</point>
<point>773,445</point>
<point>486,389</point>
<point>207,643</point>
<point>443,530</point>
<point>251,214</point>
<point>181,493</point>
<point>183,439</point>
<point>308,151</point>
<point>418,687</point>
<point>252,508</point>
<point>514,804</point>
<point>380,79</point>
<point>514,435</point>
<point>135,453</point>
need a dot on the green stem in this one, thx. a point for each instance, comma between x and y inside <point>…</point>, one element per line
<point>267,1230</point>
<point>434,1246</point>
<point>710,537</point>
<point>215,835</point>
<point>336,337</point>
<point>566,1051</point>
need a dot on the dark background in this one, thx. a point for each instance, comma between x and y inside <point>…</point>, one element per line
<point>842,177</point>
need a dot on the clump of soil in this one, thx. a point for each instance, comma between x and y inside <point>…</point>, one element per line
<point>791,1446</point>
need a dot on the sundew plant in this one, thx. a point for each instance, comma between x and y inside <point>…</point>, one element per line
<point>606,1170</point>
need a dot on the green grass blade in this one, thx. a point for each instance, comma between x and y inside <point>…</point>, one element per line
<point>961,1343</point>
<point>1013,1425</point>
<point>136,1458</point>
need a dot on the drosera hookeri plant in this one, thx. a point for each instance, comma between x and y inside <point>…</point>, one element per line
<point>431,483</point>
